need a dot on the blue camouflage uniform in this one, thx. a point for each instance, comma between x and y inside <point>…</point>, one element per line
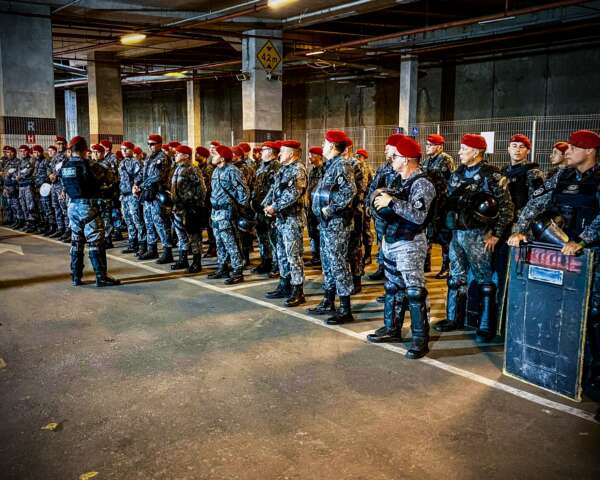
<point>59,204</point>
<point>130,174</point>
<point>11,187</point>
<point>42,170</point>
<point>188,193</point>
<point>314,176</point>
<point>155,176</point>
<point>266,233</point>
<point>25,178</point>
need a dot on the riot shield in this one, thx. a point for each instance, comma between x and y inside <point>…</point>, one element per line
<point>547,307</point>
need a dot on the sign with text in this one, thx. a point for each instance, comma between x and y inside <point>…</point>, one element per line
<point>268,56</point>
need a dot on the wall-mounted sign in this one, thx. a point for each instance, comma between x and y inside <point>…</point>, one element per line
<point>268,56</point>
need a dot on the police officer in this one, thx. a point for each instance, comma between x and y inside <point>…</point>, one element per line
<point>7,218</point>
<point>285,202</point>
<point>229,194</point>
<point>11,187</point>
<point>205,168</point>
<point>42,170</point>
<point>438,165</point>
<point>106,181</point>
<point>59,201</point>
<point>384,176</point>
<point>557,159</point>
<point>83,188</point>
<point>188,193</point>
<point>266,233</point>
<point>249,176</point>
<point>406,211</point>
<point>314,176</point>
<point>479,211</point>
<point>114,222</point>
<point>155,178</point>
<point>130,175</point>
<point>362,156</point>
<point>332,204</point>
<point>573,194</point>
<point>26,185</point>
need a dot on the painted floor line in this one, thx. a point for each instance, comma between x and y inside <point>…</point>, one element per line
<point>531,397</point>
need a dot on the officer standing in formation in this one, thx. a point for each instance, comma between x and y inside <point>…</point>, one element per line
<point>47,225</point>
<point>59,201</point>
<point>438,165</point>
<point>26,182</point>
<point>405,210</point>
<point>557,159</point>
<point>479,212</point>
<point>285,202</point>
<point>188,193</point>
<point>332,204</point>
<point>130,176</point>
<point>314,176</point>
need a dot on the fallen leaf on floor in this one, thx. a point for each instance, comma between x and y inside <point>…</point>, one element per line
<point>53,426</point>
<point>2,363</point>
<point>87,475</point>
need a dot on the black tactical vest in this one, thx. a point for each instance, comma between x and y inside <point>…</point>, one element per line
<point>401,228</point>
<point>518,185</point>
<point>77,179</point>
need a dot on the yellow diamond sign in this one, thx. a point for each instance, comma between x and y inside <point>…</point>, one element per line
<point>268,56</point>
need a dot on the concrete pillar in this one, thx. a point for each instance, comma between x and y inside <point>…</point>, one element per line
<point>71,113</point>
<point>105,98</point>
<point>194,114</point>
<point>262,60</point>
<point>407,112</point>
<point>27,112</point>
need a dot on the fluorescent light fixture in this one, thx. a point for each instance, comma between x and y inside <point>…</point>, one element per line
<point>494,20</point>
<point>370,69</point>
<point>133,38</point>
<point>315,52</point>
<point>278,3</point>
<point>176,74</point>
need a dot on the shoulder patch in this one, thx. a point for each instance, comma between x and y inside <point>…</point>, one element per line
<point>538,192</point>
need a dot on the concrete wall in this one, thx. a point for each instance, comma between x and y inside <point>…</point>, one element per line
<point>83,114</point>
<point>221,110</point>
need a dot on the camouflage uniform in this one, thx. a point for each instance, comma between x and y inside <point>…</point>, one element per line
<point>249,177</point>
<point>207,172</point>
<point>59,204</point>
<point>287,196</point>
<point>11,187</point>
<point>265,231</point>
<point>227,182</point>
<point>355,248</point>
<point>404,246</point>
<point>467,249</point>
<point>367,237</point>
<point>155,177</point>
<point>575,197</point>
<point>7,217</point>
<point>314,176</point>
<point>42,170</point>
<point>109,182</point>
<point>26,193</point>
<point>335,224</point>
<point>130,174</point>
<point>188,193</point>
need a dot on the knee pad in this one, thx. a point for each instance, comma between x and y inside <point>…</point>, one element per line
<point>416,294</point>
<point>390,288</point>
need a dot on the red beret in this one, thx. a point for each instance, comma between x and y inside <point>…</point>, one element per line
<point>245,147</point>
<point>137,151</point>
<point>316,150</point>
<point>408,147</point>
<point>119,155</point>
<point>271,145</point>
<point>336,136</point>
<point>106,144</point>
<point>215,143</point>
<point>224,152</point>
<point>363,152</point>
<point>237,151</point>
<point>174,144</point>
<point>25,147</point>
<point>585,139</point>
<point>79,142</point>
<point>436,139</point>
<point>391,140</point>
<point>524,139</point>
<point>97,147</point>
<point>203,152</point>
<point>474,141</point>
<point>155,137</point>
<point>562,146</point>
<point>165,147</point>
<point>183,149</point>
<point>349,142</point>
<point>291,144</point>
<point>37,148</point>
<point>8,148</point>
<point>127,144</point>
<point>60,139</point>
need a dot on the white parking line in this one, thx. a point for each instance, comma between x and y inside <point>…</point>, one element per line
<point>531,397</point>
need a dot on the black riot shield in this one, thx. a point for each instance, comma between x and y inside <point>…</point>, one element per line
<point>548,296</point>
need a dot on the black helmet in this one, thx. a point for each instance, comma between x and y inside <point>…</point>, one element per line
<point>164,197</point>
<point>386,214</point>
<point>550,231</point>
<point>246,225</point>
<point>484,207</point>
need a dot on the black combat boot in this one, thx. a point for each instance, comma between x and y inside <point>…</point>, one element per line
<point>108,244</point>
<point>443,273</point>
<point>142,249</point>
<point>13,224</point>
<point>297,296</point>
<point>58,233</point>
<point>357,282</point>
<point>237,276</point>
<point>378,274</point>
<point>264,266</point>
<point>487,321</point>
<point>166,256</point>
<point>50,231</point>
<point>151,253</point>
<point>98,261</point>
<point>343,314</point>
<point>327,304</point>
<point>196,265</point>
<point>30,227</point>
<point>221,272</point>
<point>182,262</point>
<point>283,289</point>
<point>419,324</point>
<point>393,317</point>
<point>456,307</point>
<point>132,246</point>
<point>76,265</point>
<point>21,225</point>
<point>66,237</point>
